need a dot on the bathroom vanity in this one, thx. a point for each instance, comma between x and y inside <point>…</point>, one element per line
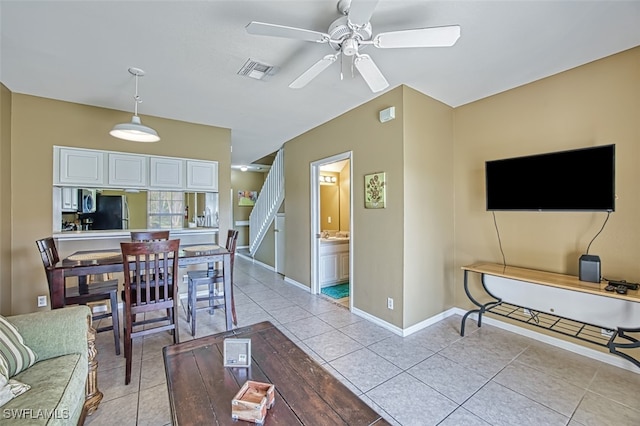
<point>334,260</point>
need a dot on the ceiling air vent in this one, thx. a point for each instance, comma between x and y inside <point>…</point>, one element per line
<point>256,70</point>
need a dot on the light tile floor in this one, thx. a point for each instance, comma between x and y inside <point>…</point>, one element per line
<point>489,377</point>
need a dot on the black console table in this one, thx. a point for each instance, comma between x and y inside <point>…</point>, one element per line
<point>619,340</point>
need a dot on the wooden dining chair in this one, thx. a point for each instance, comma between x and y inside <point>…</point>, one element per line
<point>147,236</point>
<point>210,278</point>
<point>84,294</point>
<point>153,292</point>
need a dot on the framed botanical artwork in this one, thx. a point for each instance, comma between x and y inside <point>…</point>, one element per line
<point>375,190</point>
<point>247,198</point>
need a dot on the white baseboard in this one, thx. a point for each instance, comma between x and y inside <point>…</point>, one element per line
<point>386,325</point>
<point>611,359</point>
<point>264,265</point>
<point>244,256</point>
<point>429,321</point>
<point>297,284</point>
<point>257,262</point>
<point>406,331</point>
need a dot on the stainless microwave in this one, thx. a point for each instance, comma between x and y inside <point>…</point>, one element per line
<point>86,200</point>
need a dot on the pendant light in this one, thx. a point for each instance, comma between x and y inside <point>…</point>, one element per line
<point>135,131</point>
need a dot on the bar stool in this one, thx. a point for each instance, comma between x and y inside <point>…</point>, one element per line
<point>83,294</point>
<point>210,278</point>
<point>155,291</point>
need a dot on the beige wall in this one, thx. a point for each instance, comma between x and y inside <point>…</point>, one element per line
<point>5,203</point>
<point>37,125</point>
<point>428,207</point>
<point>266,252</point>
<point>376,233</point>
<point>595,104</point>
<point>240,181</point>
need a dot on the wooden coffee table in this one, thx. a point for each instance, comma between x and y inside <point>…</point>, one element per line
<point>201,388</point>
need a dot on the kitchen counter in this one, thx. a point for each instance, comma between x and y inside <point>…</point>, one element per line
<point>126,233</point>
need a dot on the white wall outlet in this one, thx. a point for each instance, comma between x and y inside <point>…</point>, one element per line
<point>185,279</point>
<point>329,219</point>
<point>42,301</point>
<point>389,303</point>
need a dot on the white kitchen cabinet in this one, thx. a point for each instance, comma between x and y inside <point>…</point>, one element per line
<point>90,168</point>
<point>79,167</point>
<point>69,199</point>
<point>128,170</point>
<point>202,175</point>
<point>166,173</point>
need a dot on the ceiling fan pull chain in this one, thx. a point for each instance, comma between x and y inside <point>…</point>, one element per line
<point>341,75</point>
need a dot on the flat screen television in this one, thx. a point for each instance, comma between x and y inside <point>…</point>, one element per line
<point>574,180</point>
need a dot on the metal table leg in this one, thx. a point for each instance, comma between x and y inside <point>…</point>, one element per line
<point>483,307</point>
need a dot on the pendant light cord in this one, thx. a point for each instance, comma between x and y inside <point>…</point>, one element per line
<point>136,98</point>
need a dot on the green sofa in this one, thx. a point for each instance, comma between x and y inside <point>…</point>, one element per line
<point>64,378</point>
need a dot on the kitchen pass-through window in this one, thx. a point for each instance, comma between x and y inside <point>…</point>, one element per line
<point>165,209</point>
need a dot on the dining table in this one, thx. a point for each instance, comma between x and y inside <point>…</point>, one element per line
<point>81,264</point>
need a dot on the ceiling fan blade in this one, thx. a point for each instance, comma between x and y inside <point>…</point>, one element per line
<point>314,71</point>
<point>360,11</point>
<point>274,30</point>
<point>422,37</point>
<point>371,74</point>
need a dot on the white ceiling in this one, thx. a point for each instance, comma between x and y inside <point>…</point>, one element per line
<point>191,52</point>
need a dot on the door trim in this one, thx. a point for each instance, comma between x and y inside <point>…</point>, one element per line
<point>315,220</point>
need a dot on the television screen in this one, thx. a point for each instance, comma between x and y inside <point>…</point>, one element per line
<point>575,180</point>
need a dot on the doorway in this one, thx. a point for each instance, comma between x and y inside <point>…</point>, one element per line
<point>331,225</point>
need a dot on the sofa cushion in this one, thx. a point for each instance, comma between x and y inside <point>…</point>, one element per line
<point>16,354</point>
<point>9,388</point>
<point>57,391</point>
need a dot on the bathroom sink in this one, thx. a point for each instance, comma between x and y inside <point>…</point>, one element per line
<point>335,238</point>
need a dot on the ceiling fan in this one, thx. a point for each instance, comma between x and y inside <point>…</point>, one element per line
<point>351,32</point>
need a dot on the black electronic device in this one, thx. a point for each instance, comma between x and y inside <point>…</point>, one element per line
<point>630,286</point>
<point>574,180</point>
<point>610,287</point>
<point>589,268</point>
<point>621,289</point>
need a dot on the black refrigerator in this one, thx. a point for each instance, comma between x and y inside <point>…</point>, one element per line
<point>112,212</point>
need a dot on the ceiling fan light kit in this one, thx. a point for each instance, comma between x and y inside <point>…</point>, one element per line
<point>135,131</point>
<point>347,34</point>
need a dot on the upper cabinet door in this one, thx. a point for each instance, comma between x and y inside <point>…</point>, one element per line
<point>128,170</point>
<point>166,173</point>
<point>202,175</point>
<point>78,167</point>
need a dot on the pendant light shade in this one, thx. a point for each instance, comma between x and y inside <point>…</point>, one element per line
<point>135,131</point>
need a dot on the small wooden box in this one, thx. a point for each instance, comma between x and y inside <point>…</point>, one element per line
<point>252,401</point>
